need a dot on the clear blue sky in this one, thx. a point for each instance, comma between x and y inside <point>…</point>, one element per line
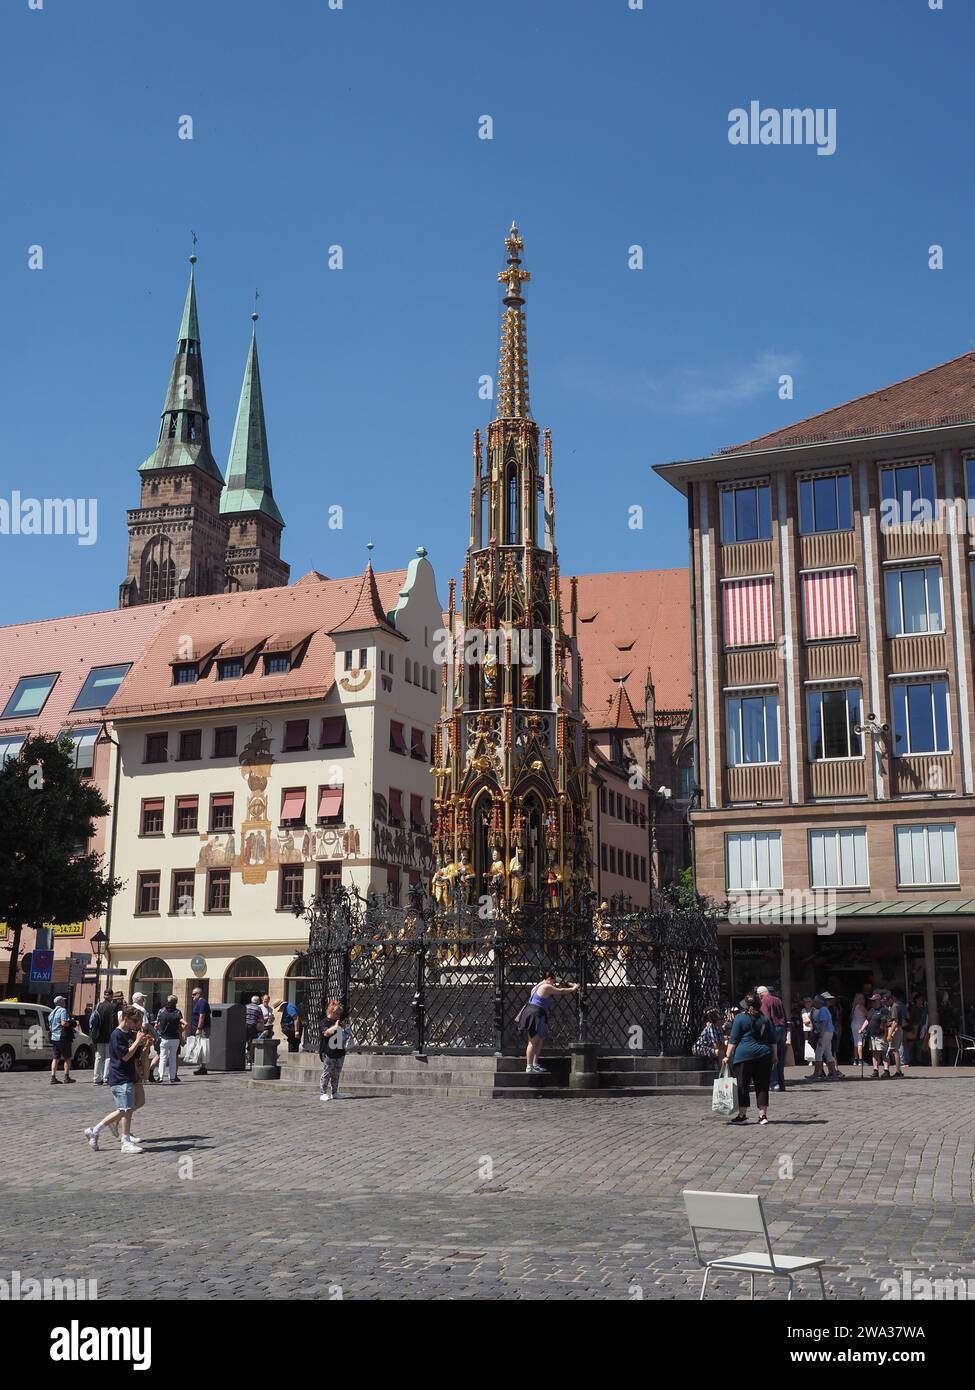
<point>359,127</point>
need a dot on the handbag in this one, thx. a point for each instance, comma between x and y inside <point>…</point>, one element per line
<point>809,1052</point>
<point>724,1093</point>
<point>191,1049</point>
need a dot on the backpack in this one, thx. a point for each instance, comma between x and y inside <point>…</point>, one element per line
<point>762,1031</point>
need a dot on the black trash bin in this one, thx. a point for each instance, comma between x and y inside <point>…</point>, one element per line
<point>228,1037</point>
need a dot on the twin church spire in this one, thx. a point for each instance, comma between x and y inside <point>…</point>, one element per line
<point>196,532</point>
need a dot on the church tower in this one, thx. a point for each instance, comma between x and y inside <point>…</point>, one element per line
<point>177,537</point>
<point>247,504</point>
<point>511,766</point>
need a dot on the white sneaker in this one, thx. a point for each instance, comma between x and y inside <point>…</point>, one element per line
<point>128,1147</point>
<point>540,1071</point>
<point>134,1139</point>
<point>325,1096</point>
<point>92,1138</point>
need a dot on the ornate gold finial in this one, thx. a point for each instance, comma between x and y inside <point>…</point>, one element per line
<point>513,360</point>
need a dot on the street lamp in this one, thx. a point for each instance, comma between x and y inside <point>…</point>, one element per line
<point>99,941</point>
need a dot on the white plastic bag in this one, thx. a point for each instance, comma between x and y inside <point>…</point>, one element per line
<point>191,1049</point>
<point>809,1053</point>
<point>724,1093</point>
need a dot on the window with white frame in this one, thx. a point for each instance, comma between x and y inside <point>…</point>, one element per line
<point>914,602</point>
<point>926,854</point>
<point>838,858</point>
<point>746,513</point>
<point>920,717</point>
<point>833,719</point>
<point>753,729</point>
<point>907,494</point>
<point>753,860</point>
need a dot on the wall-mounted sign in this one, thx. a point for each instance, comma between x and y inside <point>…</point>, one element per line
<point>198,965</point>
<point>69,929</point>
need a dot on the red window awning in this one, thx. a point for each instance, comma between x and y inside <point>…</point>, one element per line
<point>331,802</point>
<point>333,731</point>
<point>419,749</point>
<point>222,800</point>
<point>296,733</point>
<point>293,806</point>
<point>395,804</point>
<point>397,739</point>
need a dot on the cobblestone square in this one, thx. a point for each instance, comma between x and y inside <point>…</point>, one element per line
<point>247,1191</point>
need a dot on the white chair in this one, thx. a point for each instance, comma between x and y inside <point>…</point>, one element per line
<point>733,1211</point>
<point>963,1044</point>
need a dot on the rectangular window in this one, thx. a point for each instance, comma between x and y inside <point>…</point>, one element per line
<point>397,739</point>
<point>186,673</point>
<point>333,732</point>
<point>914,601</point>
<point>416,813</point>
<point>907,494</point>
<point>603,858</point>
<point>100,685</point>
<point>754,860</point>
<point>295,735</point>
<point>748,618</point>
<point>291,886</point>
<point>920,717</point>
<point>187,815</point>
<point>746,513</point>
<point>157,748</point>
<point>330,805</point>
<point>418,745</point>
<point>629,864</point>
<point>363,658</point>
<point>218,890</point>
<point>29,695</point>
<point>293,806</point>
<point>612,859</point>
<point>147,892</point>
<point>838,859</point>
<point>190,745</point>
<point>829,604</point>
<point>393,886</point>
<point>277,663</point>
<point>833,717</point>
<point>230,668</point>
<point>347,660</point>
<point>10,746</point>
<point>152,816</point>
<point>380,811</point>
<point>926,854</point>
<point>225,743</point>
<point>82,747</point>
<point>396,815</point>
<point>753,729</point>
<point>222,811</point>
<point>825,503</point>
<point>602,800</point>
<point>643,869</point>
<point>184,892</point>
<point>329,878</point>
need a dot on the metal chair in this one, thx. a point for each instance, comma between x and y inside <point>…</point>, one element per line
<point>733,1211</point>
<point>963,1044</point>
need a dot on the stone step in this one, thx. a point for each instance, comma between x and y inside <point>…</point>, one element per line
<point>670,1080</point>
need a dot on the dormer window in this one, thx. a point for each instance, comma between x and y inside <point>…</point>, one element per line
<point>186,673</point>
<point>230,668</point>
<point>277,664</point>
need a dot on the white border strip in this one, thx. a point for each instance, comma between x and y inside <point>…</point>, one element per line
<point>962,704</point>
<point>787,646</point>
<point>704,527</point>
<point>868,600</point>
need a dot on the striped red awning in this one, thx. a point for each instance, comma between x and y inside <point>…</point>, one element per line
<point>829,604</point>
<point>748,612</point>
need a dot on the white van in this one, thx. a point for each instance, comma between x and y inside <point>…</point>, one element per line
<point>25,1037</point>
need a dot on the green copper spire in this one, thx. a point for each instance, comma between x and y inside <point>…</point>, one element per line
<point>248,484</point>
<point>184,433</point>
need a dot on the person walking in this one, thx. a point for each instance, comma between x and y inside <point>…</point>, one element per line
<point>823,1033</point>
<point>200,1023</point>
<point>808,1035</point>
<point>752,1055</point>
<point>858,1017</point>
<point>774,1010</point>
<point>874,1031</point>
<point>290,1023</point>
<point>128,1041</point>
<point>62,1041</point>
<point>710,1042</point>
<point>533,1018</point>
<point>101,1026</point>
<point>253,1024</point>
<point>171,1029</point>
<point>895,1032</point>
<point>336,1036</point>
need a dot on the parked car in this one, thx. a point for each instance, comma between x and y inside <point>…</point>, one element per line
<point>25,1037</point>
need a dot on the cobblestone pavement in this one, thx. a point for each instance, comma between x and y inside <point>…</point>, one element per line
<point>257,1191</point>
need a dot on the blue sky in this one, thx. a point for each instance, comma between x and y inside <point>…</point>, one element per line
<point>359,127</point>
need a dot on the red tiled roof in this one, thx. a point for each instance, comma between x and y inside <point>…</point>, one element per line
<point>622,715</point>
<point>367,612</point>
<point>639,623</point>
<point>313,605</point>
<point>942,395</point>
<point>71,646</point>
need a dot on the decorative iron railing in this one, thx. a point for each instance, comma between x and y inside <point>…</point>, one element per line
<point>420,979</point>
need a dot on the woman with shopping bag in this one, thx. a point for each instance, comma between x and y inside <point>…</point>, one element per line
<point>752,1053</point>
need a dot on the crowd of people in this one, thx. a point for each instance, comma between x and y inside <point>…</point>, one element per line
<point>751,1039</point>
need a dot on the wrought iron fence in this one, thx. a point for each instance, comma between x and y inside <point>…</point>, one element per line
<point>419,979</point>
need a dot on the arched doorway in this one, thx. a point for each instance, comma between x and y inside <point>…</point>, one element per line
<point>481,848</point>
<point>154,979</point>
<point>533,818</point>
<point>245,977</point>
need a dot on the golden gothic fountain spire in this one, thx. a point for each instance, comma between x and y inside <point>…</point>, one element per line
<point>513,358</point>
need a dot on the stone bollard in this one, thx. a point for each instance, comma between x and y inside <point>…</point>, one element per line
<point>266,1066</point>
<point>583,1075</point>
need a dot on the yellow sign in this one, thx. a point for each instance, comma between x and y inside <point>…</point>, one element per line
<point>69,929</point>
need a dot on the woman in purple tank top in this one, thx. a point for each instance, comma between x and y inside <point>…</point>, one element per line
<point>533,1018</point>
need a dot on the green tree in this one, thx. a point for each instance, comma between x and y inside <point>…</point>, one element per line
<point>47,813</point>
